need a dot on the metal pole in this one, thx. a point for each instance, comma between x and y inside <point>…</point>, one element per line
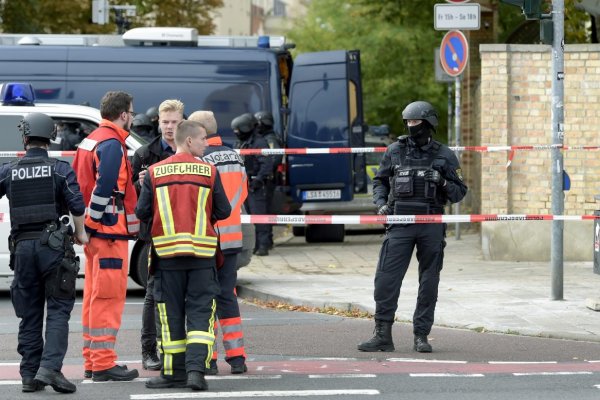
<point>558,117</point>
<point>457,143</point>
<point>449,113</point>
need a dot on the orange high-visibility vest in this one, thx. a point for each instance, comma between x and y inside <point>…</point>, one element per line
<point>235,183</point>
<point>182,207</point>
<point>86,164</point>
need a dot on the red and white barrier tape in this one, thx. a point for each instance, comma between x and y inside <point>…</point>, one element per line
<point>346,150</point>
<point>404,219</point>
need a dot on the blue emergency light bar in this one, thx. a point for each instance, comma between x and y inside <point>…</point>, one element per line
<point>17,94</point>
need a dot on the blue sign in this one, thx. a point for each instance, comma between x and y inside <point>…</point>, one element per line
<point>454,53</point>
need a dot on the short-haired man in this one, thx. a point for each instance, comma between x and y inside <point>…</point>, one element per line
<point>234,179</point>
<point>182,198</point>
<point>170,114</point>
<point>104,174</point>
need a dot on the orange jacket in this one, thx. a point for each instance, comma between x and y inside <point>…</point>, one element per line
<point>235,182</point>
<point>182,207</point>
<point>104,175</point>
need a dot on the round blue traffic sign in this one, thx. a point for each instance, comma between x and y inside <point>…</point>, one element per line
<point>454,53</point>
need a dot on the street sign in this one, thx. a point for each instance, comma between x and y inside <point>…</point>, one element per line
<point>456,16</point>
<point>440,74</point>
<point>454,53</point>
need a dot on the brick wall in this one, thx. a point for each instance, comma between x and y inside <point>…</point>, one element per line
<point>515,99</point>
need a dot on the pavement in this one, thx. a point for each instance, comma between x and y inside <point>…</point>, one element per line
<point>494,296</point>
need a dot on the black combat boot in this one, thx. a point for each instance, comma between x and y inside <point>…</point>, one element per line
<point>421,344</point>
<point>382,340</point>
<point>55,379</point>
<point>150,360</point>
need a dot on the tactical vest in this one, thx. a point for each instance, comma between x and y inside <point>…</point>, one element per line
<point>412,194</point>
<point>182,208</point>
<point>32,191</point>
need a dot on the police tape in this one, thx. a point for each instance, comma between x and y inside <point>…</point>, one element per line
<point>346,150</point>
<point>404,219</point>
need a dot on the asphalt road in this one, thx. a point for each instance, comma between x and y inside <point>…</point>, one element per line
<point>295,354</point>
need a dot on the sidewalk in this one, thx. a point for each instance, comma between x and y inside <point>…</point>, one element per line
<point>493,296</point>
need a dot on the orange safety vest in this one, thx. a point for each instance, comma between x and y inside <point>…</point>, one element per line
<point>235,183</point>
<point>182,207</point>
<point>86,164</point>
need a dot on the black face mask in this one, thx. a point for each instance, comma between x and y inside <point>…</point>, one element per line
<point>243,136</point>
<point>420,134</point>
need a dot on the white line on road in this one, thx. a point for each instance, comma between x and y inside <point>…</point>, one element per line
<point>9,364</point>
<point>334,376</point>
<point>262,393</point>
<point>443,375</point>
<point>10,382</point>
<point>522,362</point>
<point>418,360</point>
<point>552,373</point>
<point>208,378</point>
<point>321,359</point>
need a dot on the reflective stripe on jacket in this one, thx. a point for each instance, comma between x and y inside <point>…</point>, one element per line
<point>110,203</point>
<point>235,182</point>
<point>183,229</point>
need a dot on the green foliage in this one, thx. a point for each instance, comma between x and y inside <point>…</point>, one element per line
<point>396,40</point>
<point>74,16</point>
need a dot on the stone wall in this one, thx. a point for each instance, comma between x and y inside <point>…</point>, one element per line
<point>515,99</point>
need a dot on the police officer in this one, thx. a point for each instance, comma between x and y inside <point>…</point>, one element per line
<point>422,175</point>
<point>152,113</point>
<point>40,190</point>
<point>142,126</point>
<point>259,169</point>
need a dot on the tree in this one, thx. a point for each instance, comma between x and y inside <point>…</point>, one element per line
<point>74,16</point>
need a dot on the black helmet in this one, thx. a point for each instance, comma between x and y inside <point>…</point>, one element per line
<point>152,113</point>
<point>421,110</point>
<point>38,125</point>
<point>244,124</point>
<point>141,120</point>
<point>265,119</point>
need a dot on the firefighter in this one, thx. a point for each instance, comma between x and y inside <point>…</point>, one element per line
<point>422,175</point>
<point>105,177</point>
<point>40,190</point>
<point>182,198</point>
<point>170,114</point>
<point>235,182</point>
<point>259,169</point>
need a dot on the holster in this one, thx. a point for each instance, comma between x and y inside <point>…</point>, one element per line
<point>62,284</point>
<point>12,244</point>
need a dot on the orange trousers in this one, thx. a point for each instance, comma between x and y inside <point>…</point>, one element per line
<point>104,291</point>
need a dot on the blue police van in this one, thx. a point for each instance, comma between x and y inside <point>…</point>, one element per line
<point>315,99</point>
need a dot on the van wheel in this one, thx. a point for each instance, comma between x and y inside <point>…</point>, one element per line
<point>139,263</point>
<point>298,230</point>
<point>325,233</point>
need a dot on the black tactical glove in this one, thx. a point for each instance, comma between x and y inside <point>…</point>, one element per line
<point>256,184</point>
<point>434,176</point>
<point>384,210</point>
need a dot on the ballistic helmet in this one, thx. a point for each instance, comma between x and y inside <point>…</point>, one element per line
<point>141,120</point>
<point>265,119</point>
<point>38,125</point>
<point>152,113</point>
<point>245,123</point>
<point>421,110</point>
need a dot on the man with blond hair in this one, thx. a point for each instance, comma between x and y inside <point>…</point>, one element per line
<point>181,199</point>
<point>170,113</point>
<point>235,182</point>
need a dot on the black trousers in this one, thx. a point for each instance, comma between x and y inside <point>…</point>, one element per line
<point>34,265</point>
<point>394,259</point>
<point>258,203</point>
<point>185,302</point>
<point>148,332</point>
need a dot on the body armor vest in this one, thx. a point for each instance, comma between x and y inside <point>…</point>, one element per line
<point>32,198</point>
<point>412,194</point>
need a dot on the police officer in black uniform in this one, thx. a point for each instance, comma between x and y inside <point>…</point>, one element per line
<point>259,169</point>
<point>417,176</point>
<point>40,190</point>
<point>142,125</point>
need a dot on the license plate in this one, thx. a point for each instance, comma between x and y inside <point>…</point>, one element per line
<point>322,194</point>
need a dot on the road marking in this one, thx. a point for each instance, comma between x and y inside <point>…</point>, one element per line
<point>261,393</point>
<point>9,364</point>
<point>419,360</point>
<point>553,373</point>
<point>522,362</point>
<point>10,382</point>
<point>444,375</point>
<point>208,378</point>
<point>322,359</point>
<point>88,381</point>
<point>334,376</point>
<point>597,386</point>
